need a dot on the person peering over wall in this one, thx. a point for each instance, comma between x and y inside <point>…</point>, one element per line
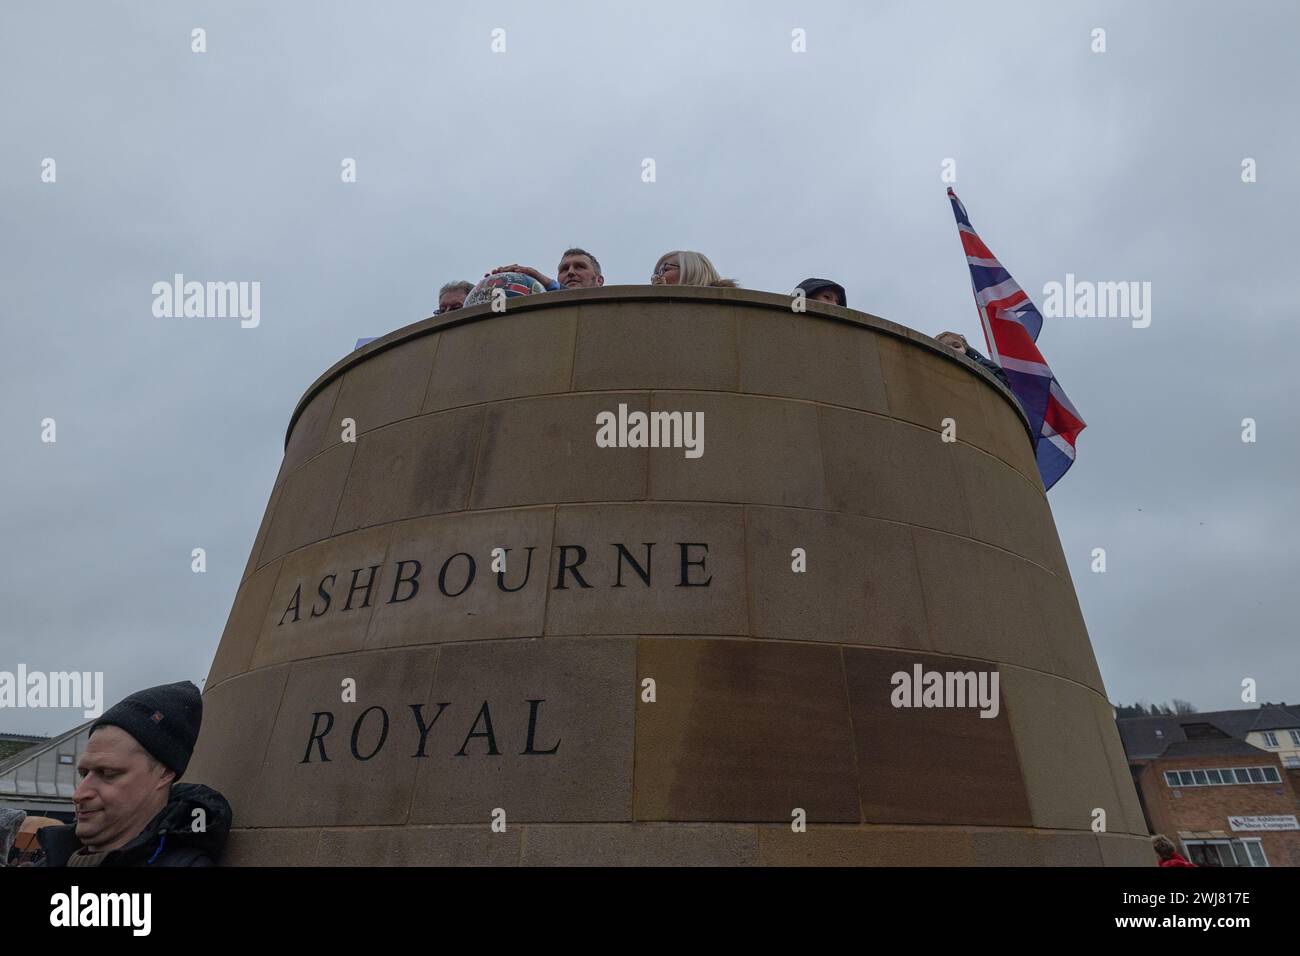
<point>682,267</point>
<point>824,290</point>
<point>452,296</point>
<point>578,269</point>
<point>958,343</point>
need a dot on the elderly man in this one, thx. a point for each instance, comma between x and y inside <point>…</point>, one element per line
<point>129,811</point>
<point>578,269</point>
<point>452,296</point>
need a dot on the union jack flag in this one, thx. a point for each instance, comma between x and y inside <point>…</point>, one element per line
<point>1011,326</point>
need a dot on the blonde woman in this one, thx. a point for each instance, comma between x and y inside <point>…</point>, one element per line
<point>687,268</point>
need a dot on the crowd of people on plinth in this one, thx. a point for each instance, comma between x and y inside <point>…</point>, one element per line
<point>579,269</point>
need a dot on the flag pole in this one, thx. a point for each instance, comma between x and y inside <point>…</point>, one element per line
<point>989,342</point>
<point>984,324</point>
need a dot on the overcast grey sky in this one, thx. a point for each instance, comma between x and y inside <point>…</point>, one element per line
<point>1115,166</point>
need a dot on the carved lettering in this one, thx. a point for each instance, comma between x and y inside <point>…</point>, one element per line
<point>469,578</point>
<point>418,710</point>
<point>687,565</point>
<point>573,571</point>
<point>370,583</point>
<point>642,573</point>
<point>356,732</point>
<point>533,707</point>
<point>320,589</point>
<point>413,581</point>
<point>318,738</point>
<point>485,715</point>
<point>573,568</point>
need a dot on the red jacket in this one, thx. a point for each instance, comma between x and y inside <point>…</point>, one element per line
<point>1176,860</point>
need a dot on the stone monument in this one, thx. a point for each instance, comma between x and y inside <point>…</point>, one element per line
<point>661,575</point>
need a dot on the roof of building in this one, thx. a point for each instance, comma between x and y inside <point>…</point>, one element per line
<point>38,772</point>
<point>24,738</point>
<point>1146,737</point>
<point>1277,717</point>
<point>1226,747</point>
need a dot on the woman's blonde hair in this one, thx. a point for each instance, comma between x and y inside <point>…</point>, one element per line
<point>694,268</point>
<point>1163,846</point>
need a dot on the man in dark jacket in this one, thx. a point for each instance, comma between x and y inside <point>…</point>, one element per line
<point>958,343</point>
<point>129,812</point>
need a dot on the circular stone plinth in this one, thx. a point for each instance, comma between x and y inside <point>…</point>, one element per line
<point>804,628</point>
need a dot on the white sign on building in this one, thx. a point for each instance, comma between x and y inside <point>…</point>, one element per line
<point>1264,823</point>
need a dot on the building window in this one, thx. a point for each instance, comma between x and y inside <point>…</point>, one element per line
<point>1226,852</point>
<point>1270,738</point>
<point>1295,737</point>
<point>1291,761</point>
<point>1204,853</point>
<point>65,758</point>
<point>1203,732</point>
<point>1220,776</point>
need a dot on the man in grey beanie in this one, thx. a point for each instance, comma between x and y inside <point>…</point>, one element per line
<point>129,810</point>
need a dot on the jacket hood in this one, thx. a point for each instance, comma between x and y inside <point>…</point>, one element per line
<point>177,818</point>
<point>172,828</point>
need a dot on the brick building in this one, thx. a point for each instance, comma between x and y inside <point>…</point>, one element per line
<point>1224,786</point>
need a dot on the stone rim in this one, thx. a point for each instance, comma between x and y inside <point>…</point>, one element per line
<point>644,293</point>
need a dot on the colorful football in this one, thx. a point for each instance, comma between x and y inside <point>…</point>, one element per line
<point>510,283</point>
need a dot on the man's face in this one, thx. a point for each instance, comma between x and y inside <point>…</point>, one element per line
<point>826,295</point>
<point>953,341</point>
<point>451,301</point>
<point>577,272</point>
<point>119,792</point>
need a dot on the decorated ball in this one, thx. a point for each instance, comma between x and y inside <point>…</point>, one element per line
<point>510,283</point>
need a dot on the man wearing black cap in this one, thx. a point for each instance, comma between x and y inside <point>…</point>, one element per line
<point>823,290</point>
<point>129,812</point>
